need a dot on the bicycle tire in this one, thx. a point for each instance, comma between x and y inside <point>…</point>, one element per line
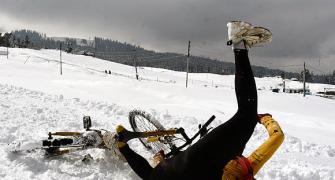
<point>141,121</point>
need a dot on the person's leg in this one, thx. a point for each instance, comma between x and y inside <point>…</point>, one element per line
<point>245,87</point>
<point>139,164</point>
<point>240,127</point>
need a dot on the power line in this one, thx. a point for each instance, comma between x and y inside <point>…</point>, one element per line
<point>209,51</point>
<point>175,50</point>
<point>295,65</point>
<point>169,57</point>
<point>150,57</point>
<point>120,53</point>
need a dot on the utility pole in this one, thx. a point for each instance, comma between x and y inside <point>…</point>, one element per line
<point>284,85</point>
<point>187,61</point>
<point>7,44</point>
<point>95,46</point>
<point>319,61</point>
<point>134,58</point>
<point>304,79</point>
<point>60,58</point>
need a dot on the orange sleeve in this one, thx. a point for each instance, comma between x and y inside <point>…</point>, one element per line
<point>264,152</point>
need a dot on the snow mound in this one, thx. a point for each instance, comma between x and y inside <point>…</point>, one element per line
<point>29,115</point>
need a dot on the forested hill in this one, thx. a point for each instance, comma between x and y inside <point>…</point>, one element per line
<point>125,53</point>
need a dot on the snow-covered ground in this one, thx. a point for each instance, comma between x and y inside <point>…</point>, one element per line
<point>36,99</point>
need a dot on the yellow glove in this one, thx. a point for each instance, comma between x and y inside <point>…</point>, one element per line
<point>120,129</point>
<point>264,117</point>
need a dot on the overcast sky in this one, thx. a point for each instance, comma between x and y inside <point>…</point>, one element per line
<point>303,30</point>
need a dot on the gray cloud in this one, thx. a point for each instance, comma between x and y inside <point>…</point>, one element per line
<point>302,28</point>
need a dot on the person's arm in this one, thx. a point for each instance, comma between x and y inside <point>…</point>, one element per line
<point>264,152</point>
<point>140,165</point>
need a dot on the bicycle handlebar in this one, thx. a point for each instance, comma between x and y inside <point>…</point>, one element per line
<point>204,127</point>
<point>190,140</point>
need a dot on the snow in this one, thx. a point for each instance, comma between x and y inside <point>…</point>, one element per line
<point>36,99</point>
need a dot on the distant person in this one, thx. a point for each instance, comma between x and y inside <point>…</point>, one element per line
<point>218,155</point>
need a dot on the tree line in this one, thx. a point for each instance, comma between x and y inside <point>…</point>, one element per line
<point>125,53</point>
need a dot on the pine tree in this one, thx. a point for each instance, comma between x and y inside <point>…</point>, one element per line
<point>26,42</point>
<point>2,41</point>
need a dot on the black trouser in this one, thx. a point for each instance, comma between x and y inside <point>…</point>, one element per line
<point>206,158</point>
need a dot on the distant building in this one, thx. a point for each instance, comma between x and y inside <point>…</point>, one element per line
<point>296,90</point>
<point>327,93</point>
<point>85,53</point>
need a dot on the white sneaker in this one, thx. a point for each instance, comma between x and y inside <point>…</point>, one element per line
<point>249,35</point>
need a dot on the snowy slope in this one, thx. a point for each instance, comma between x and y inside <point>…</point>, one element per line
<point>35,99</point>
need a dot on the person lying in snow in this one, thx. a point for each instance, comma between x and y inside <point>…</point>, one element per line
<point>218,155</point>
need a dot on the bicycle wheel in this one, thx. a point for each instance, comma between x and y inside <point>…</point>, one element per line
<point>140,121</point>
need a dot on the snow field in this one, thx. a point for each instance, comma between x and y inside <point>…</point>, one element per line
<point>34,100</point>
